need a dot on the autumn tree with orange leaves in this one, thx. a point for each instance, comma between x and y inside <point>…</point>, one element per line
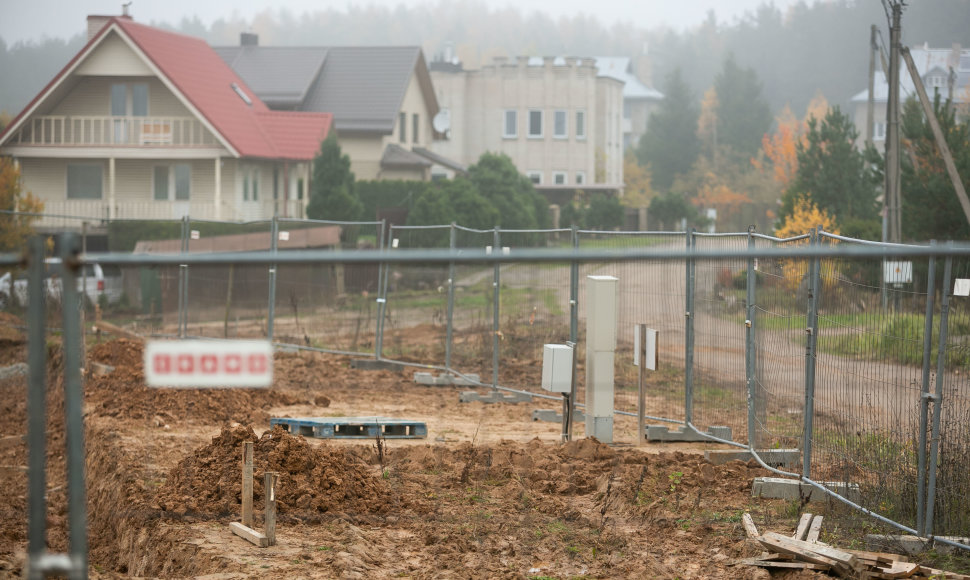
<point>781,147</point>
<point>15,229</point>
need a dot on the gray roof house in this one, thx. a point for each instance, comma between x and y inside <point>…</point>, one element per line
<point>381,98</point>
<point>639,100</point>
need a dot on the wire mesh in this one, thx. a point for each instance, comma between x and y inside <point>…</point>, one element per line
<point>720,386</point>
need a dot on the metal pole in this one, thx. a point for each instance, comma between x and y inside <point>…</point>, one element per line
<point>937,398</point>
<point>892,198</point>
<point>496,297</point>
<point>450,322</point>
<point>274,230</point>
<point>924,399</point>
<point>574,293</point>
<point>642,386</point>
<point>73,408</point>
<point>183,288</point>
<point>811,330</point>
<point>381,275</point>
<point>382,295</point>
<point>36,406</point>
<point>689,334</point>
<point>749,361</point>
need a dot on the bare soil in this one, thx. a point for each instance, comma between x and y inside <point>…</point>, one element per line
<point>489,493</point>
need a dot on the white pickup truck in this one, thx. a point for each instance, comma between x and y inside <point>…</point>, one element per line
<point>97,281</point>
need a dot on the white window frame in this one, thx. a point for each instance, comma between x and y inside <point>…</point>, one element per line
<point>67,180</point>
<point>532,135</point>
<point>581,124</point>
<point>250,177</point>
<point>564,116</point>
<point>580,178</point>
<point>505,124</point>
<point>560,178</point>
<point>936,81</point>
<point>879,131</point>
<point>171,182</point>
<point>535,177</point>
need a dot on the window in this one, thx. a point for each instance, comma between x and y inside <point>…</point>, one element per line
<point>580,177</point>
<point>879,132</point>
<point>559,126</point>
<point>250,183</point>
<point>84,180</point>
<point>415,121</point>
<point>535,124</point>
<point>119,100</point>
<point>299,188</point>
<point>173,182</point>
<point>559,177</point>
<point>535,177</point>
<point>936,81</point>
<point>580,124</point>
<point>127,100</point>
<point>403,123</point>
<point>511,127</point>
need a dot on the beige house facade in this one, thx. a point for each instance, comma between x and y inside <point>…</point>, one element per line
<point>558,119</point>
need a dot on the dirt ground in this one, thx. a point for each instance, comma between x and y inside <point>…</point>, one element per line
<point>488,494</point>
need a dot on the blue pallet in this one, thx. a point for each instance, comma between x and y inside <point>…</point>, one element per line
<point>353,427</point>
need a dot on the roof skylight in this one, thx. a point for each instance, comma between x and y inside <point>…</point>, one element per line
<point>242,94</point>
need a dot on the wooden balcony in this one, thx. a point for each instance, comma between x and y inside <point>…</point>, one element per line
<point>107,131</point>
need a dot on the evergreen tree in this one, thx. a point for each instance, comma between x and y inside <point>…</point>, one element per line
<point>931,208</point>
<point>519,206</point>
<point>743,115</point>
<point>332,195</point>
<point>835,175</point>
<point>670,145</point>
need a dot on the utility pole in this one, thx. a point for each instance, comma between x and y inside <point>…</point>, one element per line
<point>870,112</point>
<point>892,197</point>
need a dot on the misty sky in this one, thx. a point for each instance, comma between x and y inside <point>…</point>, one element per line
<point>35,19</point>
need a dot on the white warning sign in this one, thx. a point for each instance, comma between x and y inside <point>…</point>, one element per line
<point>897,272</point>
<point>209,363</point>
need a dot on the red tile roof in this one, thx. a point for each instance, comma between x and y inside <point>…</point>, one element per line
<point>206,81</point>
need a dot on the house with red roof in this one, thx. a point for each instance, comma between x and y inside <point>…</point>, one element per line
<point>145,123</point>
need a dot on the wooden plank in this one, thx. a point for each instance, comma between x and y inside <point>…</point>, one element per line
<point>784,564</point>
<point>249,534</point>
<point>802,528</point>
<point>749,526</point>
<point>117,330</point>
<point>247,484</point>
<point>843,563</point>
<point>898,570</point>
<point>934,573</point>
<point>270,479</point>
<point>880,557</point>
<point>814,529</point>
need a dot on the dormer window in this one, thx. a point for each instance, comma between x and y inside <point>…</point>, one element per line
<point>242,94</point>
<point>936,81</point>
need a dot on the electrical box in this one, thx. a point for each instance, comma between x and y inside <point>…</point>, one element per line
<point>557,368</point>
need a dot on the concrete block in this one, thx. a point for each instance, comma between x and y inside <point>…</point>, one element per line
<point>493,397</point>
<point>780,488</point>
<point>912,545</point>
<point>663,433</point>
<point>370,364</point>
<point>554,416</point>
<point>430,379</point>
<point>773,457</point>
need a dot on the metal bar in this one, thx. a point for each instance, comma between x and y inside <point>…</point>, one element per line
<point>36,407</point>
<point>382,300</point>
<point>496,308</point>
<point>183,272</point>
<point>689,331</point>
<point>73,407</point>
<point>574,290</point>
<point>642,386</point>
<point>274,232</point>
<point>381,275</point>
<point>811,330</point>
<point>938,396</point>
<point>924,398</point>
<point>749,345</point>
<point>450,321</point>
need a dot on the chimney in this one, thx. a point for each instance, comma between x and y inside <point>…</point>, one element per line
<point>95,23</point>
<point>248,39</point>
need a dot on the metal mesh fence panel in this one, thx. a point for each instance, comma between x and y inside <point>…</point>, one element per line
<point>869,373</point>
<point>415,316</point>
<point>473,313</point>
<point>778,333</point>
<point>651,292</point>
<point>719,385</point>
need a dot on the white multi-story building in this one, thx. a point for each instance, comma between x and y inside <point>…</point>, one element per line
<point>558,119</point>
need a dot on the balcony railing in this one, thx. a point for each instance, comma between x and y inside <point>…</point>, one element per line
<point>70,213</point>
<point>110,131</point>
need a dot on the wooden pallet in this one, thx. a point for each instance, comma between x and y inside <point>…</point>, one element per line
<point>353,427</point>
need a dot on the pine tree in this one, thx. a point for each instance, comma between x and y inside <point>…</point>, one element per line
<point>332,195</point>
<point>670,146</point>
<point>743,115</point>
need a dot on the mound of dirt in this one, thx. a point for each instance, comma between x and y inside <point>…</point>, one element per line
<point>122,393</point>
<point>313,480</point>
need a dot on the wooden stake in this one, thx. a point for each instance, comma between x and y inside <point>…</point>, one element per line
<point>802,528</point>
<point>269,481</point>
<point>247,484</point>
<point>814,529</point>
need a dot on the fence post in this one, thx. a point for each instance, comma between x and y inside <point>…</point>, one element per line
<point>689,334</point>
<point>811,331</point>
<point>924,399</point>
<point>274,232</point>
<point>382,297</point>
<point>496,297</point>
<point>574,290</point>
<point>36,406</point>
<point>449,322</point>
<point>381,273</point>
<point>749,361</point>
<point>183,286</point>
<point>937,398</point>
<point>73,412</point>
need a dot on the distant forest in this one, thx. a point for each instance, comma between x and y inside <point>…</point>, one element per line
<point>796,53</point>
